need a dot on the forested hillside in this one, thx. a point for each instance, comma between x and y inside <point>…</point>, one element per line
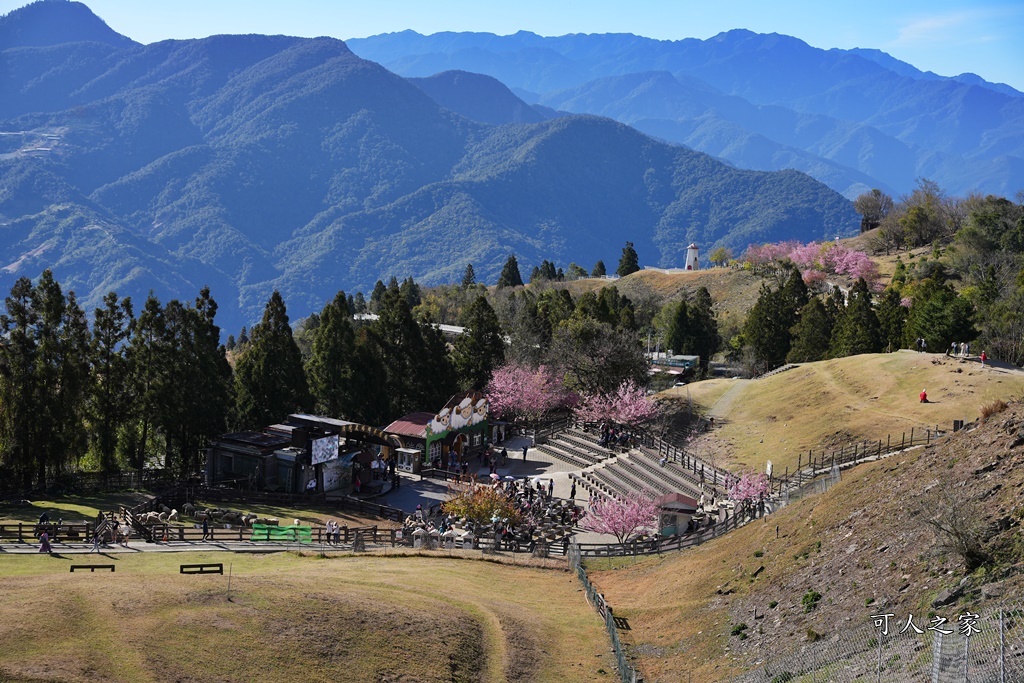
<point>258,162</point>
<point>854,119</point>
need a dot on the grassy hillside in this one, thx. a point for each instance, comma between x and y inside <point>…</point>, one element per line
<point>863,545</point>
<point>836,402</point>
<point>383,619</point>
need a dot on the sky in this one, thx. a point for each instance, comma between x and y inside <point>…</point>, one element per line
<point>948,37</point>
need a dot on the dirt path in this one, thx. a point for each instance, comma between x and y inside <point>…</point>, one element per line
<point>721,408</point>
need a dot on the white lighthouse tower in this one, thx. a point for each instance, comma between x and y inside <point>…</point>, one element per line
<point>691,257</point>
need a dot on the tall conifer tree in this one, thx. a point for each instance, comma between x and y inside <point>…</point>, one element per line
<point>270,381</point>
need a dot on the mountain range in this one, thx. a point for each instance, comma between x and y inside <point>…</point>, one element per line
<point>252,163</point>
<point>854,119</point>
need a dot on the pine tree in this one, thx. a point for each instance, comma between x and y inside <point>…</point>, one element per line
<point>510,276</point>
<point>269,379</point>
<point>481,348</point>
<point>629,263</point>
<point>329,367</point>
<point>599,270</point>
<point>469,277</point>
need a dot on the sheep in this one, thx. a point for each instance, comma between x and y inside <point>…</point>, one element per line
<point>164,508</point>
<point>173,517</point>
<point>189,509</point>
<point>162,517</point>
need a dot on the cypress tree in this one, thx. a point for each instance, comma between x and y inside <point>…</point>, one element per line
<point>629,263</point>
<point>857,331</point>
<point>377,297</point>
<point>599,270</point>
<point>510,276</point>
<point>109,402</point>
<point>678,337</point>
<point>269,379</point>
<point>812,334</point>
<point>481,348</point>
<point>329,367</point>
<point>892,317</point>
<point>469,277</point>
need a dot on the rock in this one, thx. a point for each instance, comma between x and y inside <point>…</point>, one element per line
<point>992,590</point>
<point>947,596</point>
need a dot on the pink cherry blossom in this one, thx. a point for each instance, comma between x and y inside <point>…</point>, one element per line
<point>622,518</point>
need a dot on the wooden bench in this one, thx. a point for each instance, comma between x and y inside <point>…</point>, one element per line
<point>91,567</point>
<point>209,568</point>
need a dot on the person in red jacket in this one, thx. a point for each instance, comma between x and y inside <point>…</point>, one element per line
<point>924,396</point>
<point>983,359</point>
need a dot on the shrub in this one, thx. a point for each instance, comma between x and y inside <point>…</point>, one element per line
<point>738,630</point>
<point>758,553</point>
<point>994,408</point>
<point>810,600</point>
<point>773,604</point>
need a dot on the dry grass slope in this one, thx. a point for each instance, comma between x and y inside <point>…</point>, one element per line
<point>366,618</point>
<point>863,545</point>
<point>836,402</point>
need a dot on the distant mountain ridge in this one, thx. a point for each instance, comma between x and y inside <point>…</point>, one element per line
<point>251,163</point>
<point>854,119</point>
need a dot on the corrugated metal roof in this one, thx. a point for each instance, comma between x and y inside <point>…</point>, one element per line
<point>413,424</point>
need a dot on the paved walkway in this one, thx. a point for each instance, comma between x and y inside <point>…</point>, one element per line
<point>413,491</point>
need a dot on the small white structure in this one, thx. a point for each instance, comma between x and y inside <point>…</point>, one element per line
<point>691,257</point>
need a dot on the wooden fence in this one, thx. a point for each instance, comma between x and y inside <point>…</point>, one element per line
<point>656,546</point>
<point>814,464</point>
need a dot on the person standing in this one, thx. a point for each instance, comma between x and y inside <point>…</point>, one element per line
<point>206,528</point>
<point>572,491</point>
<point>983,359</point>
<point>44,543</point>
<point>525,449</point>
<point>551,488</point>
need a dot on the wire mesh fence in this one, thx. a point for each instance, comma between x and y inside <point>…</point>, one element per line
<point>955,648</point>
<point>626,671</point>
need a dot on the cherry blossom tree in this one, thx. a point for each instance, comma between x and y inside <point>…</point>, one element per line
<point>516,392</point>
<point>628,405</point>
<point>830,258</point>
<point>622,518</point>
<point>748,490</point>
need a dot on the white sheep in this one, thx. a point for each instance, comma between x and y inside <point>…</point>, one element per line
<point>173,517</point>
<point>162,517</point>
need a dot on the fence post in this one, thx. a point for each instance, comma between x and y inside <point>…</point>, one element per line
<point>879,658</point>
<point>937,657</point>
<point>967,659</point>
<point>911,436</point>
<point>1002,649</point>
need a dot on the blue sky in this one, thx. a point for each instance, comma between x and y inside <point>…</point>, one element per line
<point>948,37</point>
